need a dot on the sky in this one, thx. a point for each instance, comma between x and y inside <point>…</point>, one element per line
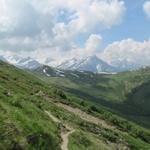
<point>114,30</point>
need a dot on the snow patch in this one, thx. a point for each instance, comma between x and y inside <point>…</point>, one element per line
<point>75,75</point>
<point>45,71</point>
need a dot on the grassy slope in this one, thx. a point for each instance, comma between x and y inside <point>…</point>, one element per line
<point>25,126</point>
<point>125,93</point>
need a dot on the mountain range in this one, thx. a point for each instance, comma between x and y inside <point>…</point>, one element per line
<point>21,62</point>
<point>82,110</point>
<point>90,63</point>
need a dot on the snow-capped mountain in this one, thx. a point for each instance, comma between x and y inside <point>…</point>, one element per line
<point>28,63</point>
<point>91,63</point>
<point>21,62</point>
<point>50,71</point>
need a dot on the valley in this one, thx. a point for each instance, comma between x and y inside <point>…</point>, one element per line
<point>36,116</point>
<point>124,93</point>
<point>75,75</point>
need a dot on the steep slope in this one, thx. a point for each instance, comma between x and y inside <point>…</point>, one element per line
<point>21,62</point>
<point>91,63</point>
<point>49,71</point>
<point>28,63</point>
<point>54,72</point>
<point>2,58</point>
<point>125,93</point>
<point>25,125</point>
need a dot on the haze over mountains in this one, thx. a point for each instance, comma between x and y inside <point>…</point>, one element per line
<point>21,62</point>
<point>90,63</point>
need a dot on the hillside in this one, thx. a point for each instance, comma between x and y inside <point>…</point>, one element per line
<point>125,93</point>
<point>36,117</point>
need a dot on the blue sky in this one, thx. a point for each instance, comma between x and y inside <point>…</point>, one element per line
<point>135,25</point>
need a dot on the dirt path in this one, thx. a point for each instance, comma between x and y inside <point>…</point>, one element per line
<point>83,115</point>
<point>65,137</point>
<point>64,134</point>
<point>52,117</point>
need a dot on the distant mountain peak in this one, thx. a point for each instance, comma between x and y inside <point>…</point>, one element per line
<point>21,62</point>
<point>90,63</point>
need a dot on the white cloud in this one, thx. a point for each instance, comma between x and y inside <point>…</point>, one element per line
<point>93,43</point>
<point>128,51</point>
<point>90,15</point>
<point>146,7</point>
<point>52,25</point>
<point>91,46</point>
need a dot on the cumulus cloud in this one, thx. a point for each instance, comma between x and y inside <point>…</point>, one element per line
<point>88,17</point>
<point>92,45</point>
<point>30,25</point>
<point>146,7</point>
<point>128,51</point>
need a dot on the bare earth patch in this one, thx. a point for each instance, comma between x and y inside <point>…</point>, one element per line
<point>87,117</point>
<point>64,134</point>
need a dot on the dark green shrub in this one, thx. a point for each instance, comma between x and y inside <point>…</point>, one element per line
<point>16,103</point>
<point>110,136</point>
<point>82,103</point>
<point>16,146</point>
<point>42,141</point>
<point>61,94</point>
<point>94,108</point>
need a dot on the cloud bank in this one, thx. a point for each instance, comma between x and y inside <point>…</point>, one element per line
<point>51,27</point>
<point>128,52</point>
